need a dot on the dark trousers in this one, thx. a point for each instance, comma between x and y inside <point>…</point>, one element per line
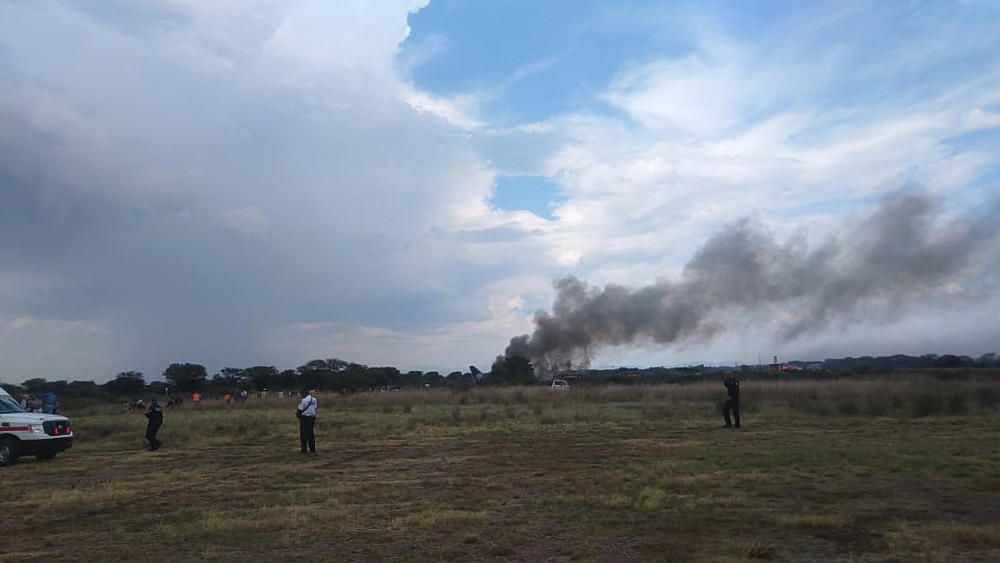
<point>307,436</point>
<point>733,406</point>
<point>151,430</point>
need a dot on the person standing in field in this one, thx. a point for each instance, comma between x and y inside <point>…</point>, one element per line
<point>228,398</point>
<point>155,416</point>
<point>732,404</point>
<point>196,399</point>
<point>49,403</point>
<point>307,422</point>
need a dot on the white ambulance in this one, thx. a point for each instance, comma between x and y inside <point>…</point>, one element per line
<point>27,433</point>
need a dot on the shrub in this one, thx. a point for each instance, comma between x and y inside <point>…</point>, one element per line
<point>655,412</point>
<point>958,403</point>
<point>651,498</point>
<point>877,405</point>
<point>927,404</point>
<point>759,550</point>
<point>987,397</point>
<point>847,406</point>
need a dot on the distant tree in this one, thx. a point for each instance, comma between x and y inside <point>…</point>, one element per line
<point>126,383</point>
<point>157,388</point>
<point>383,375</point>
<point>185,377</point>
<point>264,377</point>
<point>83,389</point>
<point>36,385</point>
<point>354,377</point>
<point>229,376</point>
<point>315,374</point>
<point>287,379</point>
<point>336,364</point>
<point>949,361</point>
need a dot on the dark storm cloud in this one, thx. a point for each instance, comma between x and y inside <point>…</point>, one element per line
<point>187,189</point>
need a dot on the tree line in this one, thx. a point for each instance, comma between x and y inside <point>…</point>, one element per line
<point>332,374</point>
<point>342,376</point>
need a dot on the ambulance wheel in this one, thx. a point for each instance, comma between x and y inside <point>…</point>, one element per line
<point>45,456</point>
<point>8,451</point>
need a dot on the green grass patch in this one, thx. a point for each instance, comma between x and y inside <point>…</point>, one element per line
<point>869,471</point>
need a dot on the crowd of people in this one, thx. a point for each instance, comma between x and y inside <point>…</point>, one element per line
<point>175,400</point>
<point>46,403</point>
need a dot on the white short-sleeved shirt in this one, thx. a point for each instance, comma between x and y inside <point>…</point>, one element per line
<point>308,405</point>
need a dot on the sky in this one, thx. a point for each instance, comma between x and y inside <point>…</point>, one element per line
<point>401,182</point>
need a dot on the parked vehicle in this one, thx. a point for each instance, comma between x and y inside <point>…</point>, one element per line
<point>560,385</point>
<point>25,433</point>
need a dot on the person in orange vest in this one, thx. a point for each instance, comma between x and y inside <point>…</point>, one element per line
<point>228,398</point>
<point>196,399</point>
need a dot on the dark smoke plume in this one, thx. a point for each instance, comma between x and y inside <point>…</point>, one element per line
<point>903,254</point>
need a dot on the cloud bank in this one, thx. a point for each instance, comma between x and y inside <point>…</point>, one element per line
<point>234,183</point>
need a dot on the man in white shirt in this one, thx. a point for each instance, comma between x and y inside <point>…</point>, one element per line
<point>307,421</point>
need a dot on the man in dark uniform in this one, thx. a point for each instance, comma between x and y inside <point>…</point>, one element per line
<point>732,404</point>
<point>155,416</point>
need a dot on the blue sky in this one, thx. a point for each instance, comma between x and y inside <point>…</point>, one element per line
<point>562,54</point>
<point>532,62</point>
<point>400,182</point>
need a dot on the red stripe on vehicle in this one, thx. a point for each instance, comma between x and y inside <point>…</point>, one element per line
<point>15,428</point>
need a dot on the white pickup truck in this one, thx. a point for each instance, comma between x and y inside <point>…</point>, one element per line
<point>27,433</point>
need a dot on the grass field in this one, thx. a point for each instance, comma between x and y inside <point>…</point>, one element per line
<point>834,471</point>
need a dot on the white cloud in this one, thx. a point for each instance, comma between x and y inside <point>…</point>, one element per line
<point>352,35</point>
<point>459,111</point>
<point>304,141</point>
<point>635,194</point>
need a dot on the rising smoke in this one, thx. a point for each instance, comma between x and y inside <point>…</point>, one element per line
<point>903,254</point>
